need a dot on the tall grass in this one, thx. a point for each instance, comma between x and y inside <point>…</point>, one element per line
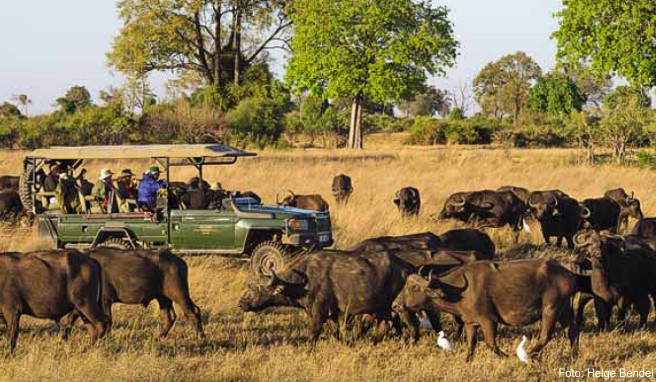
<point>274,345</point>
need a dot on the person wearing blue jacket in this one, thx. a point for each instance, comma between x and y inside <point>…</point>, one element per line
<point>148,187</point>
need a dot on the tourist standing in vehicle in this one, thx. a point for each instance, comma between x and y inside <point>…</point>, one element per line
<point>126,191</point>
<point>105,192</point>
<point>148,189</point>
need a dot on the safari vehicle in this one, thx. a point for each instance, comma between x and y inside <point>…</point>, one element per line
<point>269,235</point>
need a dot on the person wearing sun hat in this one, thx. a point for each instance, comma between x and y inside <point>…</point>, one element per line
<point>105,192</point>
<point>148,188</point>
<point>126,190</point>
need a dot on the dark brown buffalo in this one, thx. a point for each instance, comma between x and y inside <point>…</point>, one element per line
<point>601,214</point>
<point>468,239</point>
<point>485,208</point>
<point>630,206</point>
<point>9,182</point>
<point>196,183</point>
<point>558,214</point>
<point>332,284</point>
<point>521,192</point>
<point>342,188</point>
<point>10,204</point>
<point>622,274</point>
<point>50,285</point>
<point>645,228</point>
<point>304,202</point>
<point>138,277</point>
<point>484,293</point>
<point>425,241</point>
<point>408,201</point>
<point>202,199</point>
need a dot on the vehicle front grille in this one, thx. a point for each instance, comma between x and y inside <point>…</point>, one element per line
<point>323,223</point>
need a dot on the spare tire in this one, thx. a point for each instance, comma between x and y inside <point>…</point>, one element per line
<point>26,189</point>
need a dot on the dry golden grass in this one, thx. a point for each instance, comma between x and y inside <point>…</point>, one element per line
<point>273,345</point>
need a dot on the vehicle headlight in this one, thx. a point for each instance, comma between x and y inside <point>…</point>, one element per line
<point>298,225</point>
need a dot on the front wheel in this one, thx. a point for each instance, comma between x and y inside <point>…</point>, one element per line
<point>270,254</point>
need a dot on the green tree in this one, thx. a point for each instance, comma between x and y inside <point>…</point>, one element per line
<point>428,103</point>
<point>587,132</point>
<point>616,37</point>
<point>9,110</point>
<point>555,94</point>
<point>593,86</point>
<point>360,49</point>
<point>625,116</point>
<point>76,98</point>
<point>24,101</point>
<point>502,87</point>
<point>213,39</point>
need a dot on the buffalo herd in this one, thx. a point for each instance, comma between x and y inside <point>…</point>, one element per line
<point>388,283</point>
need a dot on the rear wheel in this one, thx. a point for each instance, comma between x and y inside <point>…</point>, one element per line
<point>270,254</point>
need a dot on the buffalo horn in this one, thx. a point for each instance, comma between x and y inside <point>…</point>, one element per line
<point>586,213</point>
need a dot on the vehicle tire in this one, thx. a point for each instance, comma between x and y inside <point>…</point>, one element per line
<point>116,243</point>
<point>25,190</point>
<point>270,254</point>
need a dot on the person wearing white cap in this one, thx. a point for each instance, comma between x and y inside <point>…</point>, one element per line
<point>105,192</point>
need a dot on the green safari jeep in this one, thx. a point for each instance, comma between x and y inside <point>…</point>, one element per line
<point>269,235</point>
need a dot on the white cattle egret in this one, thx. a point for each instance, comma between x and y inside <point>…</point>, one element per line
<point>522,354</point>
<point>443,342</point>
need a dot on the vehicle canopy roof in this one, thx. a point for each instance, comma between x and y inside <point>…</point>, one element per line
<point>140,152</point>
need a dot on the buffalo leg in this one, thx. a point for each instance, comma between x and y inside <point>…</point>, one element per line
<point>434,318</point>
<point>546,238</point>
<point>459,328</point>
<point>410,321</point>
<point>190,311</point>
<point>567,320</point>
<point>570,241</point>
<point>472,333</point>
<point>548,324</point>
<point>319,317</point>
<point>168,315</point>
<point>489,334</point>
<point>584,299</point>
<point>67,324</point>
<point>642,306</point>
<point>13,327</point>
<point>604,310</point>
<point>381,330</point>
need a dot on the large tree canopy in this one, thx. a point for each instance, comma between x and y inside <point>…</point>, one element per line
<point>210,39</point>
<point>502,87</point>
<point>556,94</point>
<point>361,49</point>
<point>617,37</point>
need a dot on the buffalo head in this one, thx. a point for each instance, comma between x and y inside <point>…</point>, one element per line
<point>287,201</point>
<point>455,207</point>
<point>632,208</point>
<point>543,209</point>
<point>286,291</point>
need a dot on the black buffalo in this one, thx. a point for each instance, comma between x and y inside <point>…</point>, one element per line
<point>521,192</point>
<point>10,204</point>
<point>9,182</point>
<point>305,202</point>
<point>559,215</point>
<point>485,208</point>
<point>601,214</point>
<point>342,188</point>
<point>630,206</point>
<point>332,284</point>
<point>408,201</point>
<point>50,285</point>
<point>468,239</point>
<point>138,277</point>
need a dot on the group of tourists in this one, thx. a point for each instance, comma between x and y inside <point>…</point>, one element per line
<point>122,194</point>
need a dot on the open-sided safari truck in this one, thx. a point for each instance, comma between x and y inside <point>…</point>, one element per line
<point>270,235</point>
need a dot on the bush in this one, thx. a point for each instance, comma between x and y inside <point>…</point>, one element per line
<point>96,125</point>
<point>383,123</point>
<point>182,123</point>
<point>429,131</point>
<point>257,120</point>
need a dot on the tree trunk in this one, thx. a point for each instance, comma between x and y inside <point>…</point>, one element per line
<point>237,47</point>
<point>355,126</point>
<point>217,45</point>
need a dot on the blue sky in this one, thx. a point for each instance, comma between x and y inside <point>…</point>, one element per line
<point>48,46</point>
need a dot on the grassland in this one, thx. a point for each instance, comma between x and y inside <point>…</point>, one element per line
<point>273,345</point>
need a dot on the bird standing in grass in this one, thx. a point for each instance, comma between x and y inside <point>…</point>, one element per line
<point>443,342</point>
<point>522,354</point>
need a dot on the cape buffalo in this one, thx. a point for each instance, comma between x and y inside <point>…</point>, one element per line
<point>342,188</point>
<point>468,239</point>
<point>202,199</point>
<point>645,228</point>
<point>407,201</point>
<point>138,277</point>
<point>484,293</point>
<point>602,214</point>
<point>485,208</point>
<point>630,206</point>
<point>521,192</point>
<point>9,182</point>
<point>331,284</point>
<point>10,204</point>
<point>305,202</point>
<point>558,214</point>
<point>426,241</point>
<point>50,285</point>
<point>622,275</point>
